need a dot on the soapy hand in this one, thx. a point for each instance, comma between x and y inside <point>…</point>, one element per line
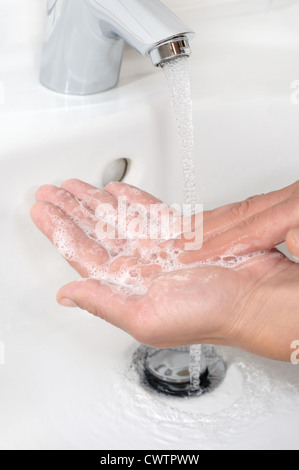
<point>237,290</point>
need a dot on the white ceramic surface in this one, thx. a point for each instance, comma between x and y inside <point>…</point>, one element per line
<point>64,382</point>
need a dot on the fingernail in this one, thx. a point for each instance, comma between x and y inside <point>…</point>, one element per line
<point>68,303</point>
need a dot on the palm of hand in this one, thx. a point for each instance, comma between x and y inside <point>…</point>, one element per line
<point>194,303</point>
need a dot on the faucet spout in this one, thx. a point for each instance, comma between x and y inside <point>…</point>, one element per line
<point>83,48</point>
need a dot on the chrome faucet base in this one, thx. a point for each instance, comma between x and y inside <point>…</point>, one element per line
<point>84,41</point>
<point>167,370</point>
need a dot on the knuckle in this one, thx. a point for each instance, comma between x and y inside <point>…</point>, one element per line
<point>241,209</point>
<point>254,198</point>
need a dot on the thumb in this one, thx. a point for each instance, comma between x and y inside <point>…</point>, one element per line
<point>292,241</point>
<point>102,300</point>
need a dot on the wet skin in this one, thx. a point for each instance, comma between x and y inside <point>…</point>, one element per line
<point>253,305</point>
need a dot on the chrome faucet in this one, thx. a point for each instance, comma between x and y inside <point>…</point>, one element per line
<point>84,42</point>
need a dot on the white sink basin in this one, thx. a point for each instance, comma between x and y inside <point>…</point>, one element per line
<point>65,382</point>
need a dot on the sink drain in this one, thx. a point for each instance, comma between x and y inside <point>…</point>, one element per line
<point>167,370</point>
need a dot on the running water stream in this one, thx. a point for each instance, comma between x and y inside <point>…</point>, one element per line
<point>178,79</point>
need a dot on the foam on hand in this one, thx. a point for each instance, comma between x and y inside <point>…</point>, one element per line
<point>133,256</point>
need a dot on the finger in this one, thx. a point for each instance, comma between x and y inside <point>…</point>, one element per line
<point>163,222</point>
<point>104,209</point>
<point>260,232</point>
<point>222,219</point>
<point>72,243</point>
<point>132,194</point>
<point>210,214</point>
<point>135,195</point>
<point>91,196</point>
<point>102,300</point>
<point>292,241</point>
<point>217,220</point>
<point>80,214</point>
